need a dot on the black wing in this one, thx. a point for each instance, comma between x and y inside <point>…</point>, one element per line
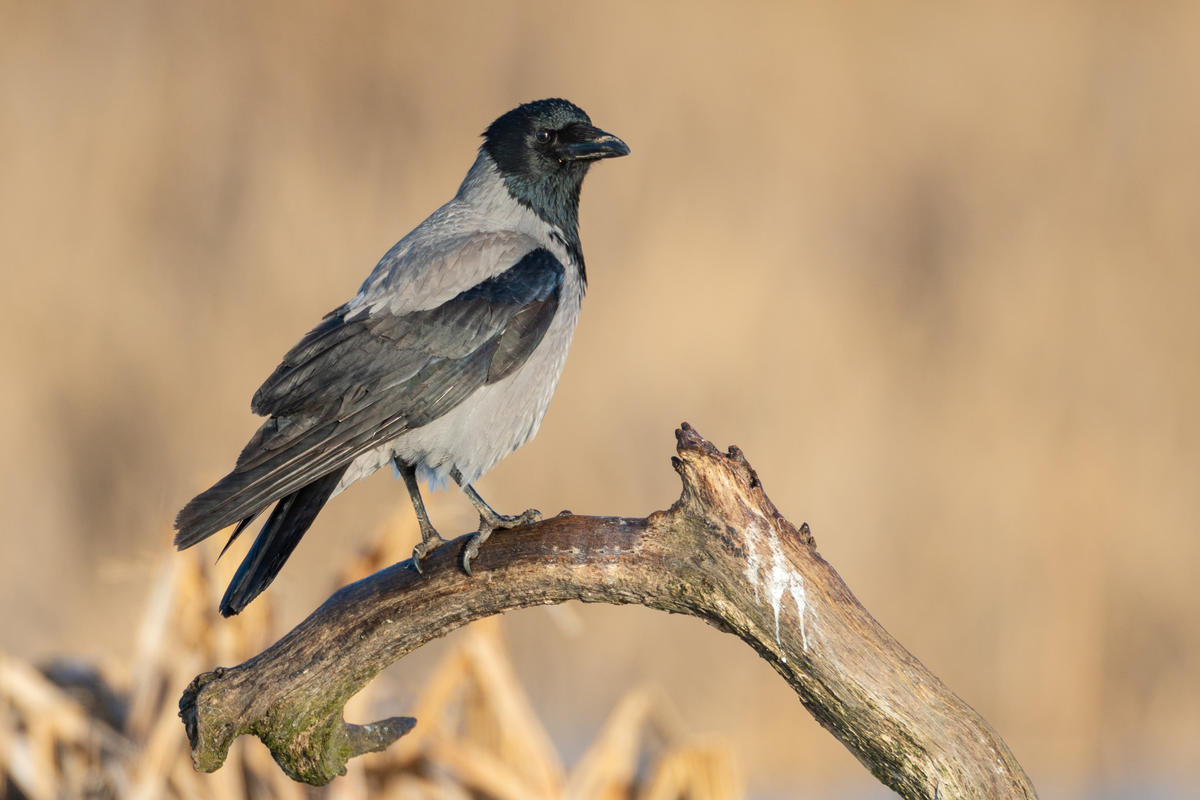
<point>359,380</point>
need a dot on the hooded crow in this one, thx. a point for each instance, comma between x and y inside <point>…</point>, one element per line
<point>442,364</point>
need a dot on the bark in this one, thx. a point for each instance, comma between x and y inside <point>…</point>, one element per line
<point>722,552</point>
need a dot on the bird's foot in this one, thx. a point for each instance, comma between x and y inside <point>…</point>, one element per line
<point>526,517</point>
<point>430,541</point>
<point>489,522</point>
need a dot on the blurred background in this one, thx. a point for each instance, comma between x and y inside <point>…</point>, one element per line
<point>933,266</point>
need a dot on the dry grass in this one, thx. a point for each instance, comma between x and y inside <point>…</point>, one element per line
<point>64,733</point>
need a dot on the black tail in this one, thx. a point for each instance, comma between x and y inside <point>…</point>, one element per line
<point>290,518</point>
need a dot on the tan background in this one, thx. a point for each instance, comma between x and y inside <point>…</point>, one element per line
<point>933,266</point>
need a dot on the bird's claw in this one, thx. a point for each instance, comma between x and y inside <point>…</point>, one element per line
<point>527,517</point>
<point>469,552</point>
<point>426,546</point>
<point>489,524</point>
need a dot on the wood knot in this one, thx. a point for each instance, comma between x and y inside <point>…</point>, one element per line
<point>736,455</point>
<point>689,440</point>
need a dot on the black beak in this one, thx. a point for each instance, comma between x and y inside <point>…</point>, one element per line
<point>586,143</point>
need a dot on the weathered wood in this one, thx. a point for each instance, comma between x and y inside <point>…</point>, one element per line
<point>722,552</point>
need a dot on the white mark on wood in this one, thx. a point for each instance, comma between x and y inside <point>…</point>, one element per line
<point>797,592</point>
<point>781,579</point>
<point>753,562</point>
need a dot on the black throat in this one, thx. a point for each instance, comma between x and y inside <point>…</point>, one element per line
<point>553,198</point>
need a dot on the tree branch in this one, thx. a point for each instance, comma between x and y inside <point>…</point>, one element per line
<point>722,552</point>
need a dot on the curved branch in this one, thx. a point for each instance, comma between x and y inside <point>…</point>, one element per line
<point>722,552</point>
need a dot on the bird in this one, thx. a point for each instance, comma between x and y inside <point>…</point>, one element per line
<point>441,365</point>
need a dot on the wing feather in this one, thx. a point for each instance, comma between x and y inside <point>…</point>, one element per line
<point>360,380</point>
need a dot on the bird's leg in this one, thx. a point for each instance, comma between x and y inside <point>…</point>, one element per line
<point>430,538</point>
<point>489,520</point>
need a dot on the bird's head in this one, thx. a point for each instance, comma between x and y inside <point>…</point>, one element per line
<point>543,150</point>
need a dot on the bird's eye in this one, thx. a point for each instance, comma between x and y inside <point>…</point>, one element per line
<point>544,136</point>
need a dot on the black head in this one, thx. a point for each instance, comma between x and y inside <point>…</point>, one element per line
<point>543,149</point>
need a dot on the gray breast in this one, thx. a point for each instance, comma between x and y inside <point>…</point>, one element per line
<point>494,420</point>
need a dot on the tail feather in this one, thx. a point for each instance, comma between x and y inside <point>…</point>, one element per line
<point>288,522</point>
<point>241,526</point>
<point>246,491</point>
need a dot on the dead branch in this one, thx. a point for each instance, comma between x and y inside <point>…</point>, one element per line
<point>722,552</point>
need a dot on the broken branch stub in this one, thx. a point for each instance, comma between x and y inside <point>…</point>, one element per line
<point>722,552</point>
